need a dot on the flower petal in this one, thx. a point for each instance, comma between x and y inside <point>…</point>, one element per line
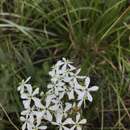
<point>26,104</point>
<point>68,106</point>
<point>24,96</point>
<point>36,91</point>
<point>90,98</point>
<point>83,121</point>
<point>22,119</point>
<point>79,128</point>
<point>77,117</point>
<point>49,116</point>
<point>93,88</point>
<point>37,102</point>
<point>71,95</point>
<point>87,82</point>
<point>29,89</point>
<point>27,79</point>
<point>68,121</point>
<point>42,127</point>
<point>24,126</point>
<point>65,128</point>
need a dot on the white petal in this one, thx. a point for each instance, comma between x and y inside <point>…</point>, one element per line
<point>31,119</point>
<point>25,112</point>
<point>29,126</point>
<point>38,116</point>
<point>24,126</point>
<point>78,71</point>
<point>19,88</point>
<point>79,128</point>
<point>80,103</point>
<point>71,95</point>
<point>67,79</point>
<point>26,104</point>
<point>36,91</point>
<point>83,121</point>
<point>81,77</point>
<point>49,99</point>
<point>24,96</point>
<point>59,63</point>
<point>49,116</point>
<point>93,88</point>
<point>42,127</point>
<point>54,107</point>
<point>54,123</point>
<point>37,102</point>
<point>59,117</point>
<point>52,73</point>
<point>68,121</point>
<point>68,107</point>
<point>65,128</point>
<point>81,94</point>
<point>64,67</point>
<point>27,79</point>
<point>71,67</point>
<point>90,98</point>
<point>29,89</point>
<point>77,117</point>
<point>60,128</point>
<point>49,86</point>
<point>87,82</point>
<point>22,119</point>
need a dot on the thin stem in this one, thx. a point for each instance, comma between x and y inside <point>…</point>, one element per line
<point>8,117</point>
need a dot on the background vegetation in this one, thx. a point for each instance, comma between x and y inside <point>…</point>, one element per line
<point>34,34</point>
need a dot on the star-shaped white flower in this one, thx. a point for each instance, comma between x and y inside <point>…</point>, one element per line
<point>23,84</point>
<point>72,88</point>
<point>28,122</point>
<point>57,103</point>
<point>75,76</point>
<point>67,64</point>
<point>64,111</point>
<point>85,92</point>
<point>60,123</point>
<point>78,123</point>
<point>56,88</point>
<point>28,111</point>
<point>46,112</point>
<point>31,96</point>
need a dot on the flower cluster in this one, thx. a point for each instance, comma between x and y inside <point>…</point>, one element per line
<point>61,104</point>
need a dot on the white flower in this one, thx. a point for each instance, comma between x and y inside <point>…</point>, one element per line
<point>65,89</point>
<point>78,123</point>
<point>28,111</point>
<point>67,64</point>
<point>56,68</point>
<point>58,104</point>
<point>73,88</point>
<point>56,78</point>
<point>23,84</point>
<point>28,122</point>
<point>45,111</point>
<point>85,92</point>
<point>75,76</point>
<point>49,98</point>
<point>64,111</point>
<point>56,88</point>
<point>60,123</point>
<point>31,96</point>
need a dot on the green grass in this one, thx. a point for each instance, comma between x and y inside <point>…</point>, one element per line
<point>34,34</point>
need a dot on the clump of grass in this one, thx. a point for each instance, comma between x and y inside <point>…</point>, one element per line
<point>95,34</point>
